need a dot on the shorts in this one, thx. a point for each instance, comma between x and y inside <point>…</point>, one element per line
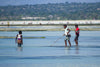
<point>19,41</point>
<point>19,45</point>
<point>77,36</point>
<point>67,38</point>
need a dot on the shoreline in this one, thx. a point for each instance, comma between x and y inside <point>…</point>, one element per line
<point>52,27</point>
<point>84,29</point>
<point>49,25</point>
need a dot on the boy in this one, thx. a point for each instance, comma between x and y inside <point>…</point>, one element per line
<point>67,30</point>
<point>77,34</point>
<point>19,39</point>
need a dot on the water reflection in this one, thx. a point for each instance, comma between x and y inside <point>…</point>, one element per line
<point>72,50</point>
<point>67,50</point>
<point>77,50</point>
<point>19,48</point>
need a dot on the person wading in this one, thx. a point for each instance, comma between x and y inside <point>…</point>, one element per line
<point>77,34</point>
<point>19,39</point>
<point>67,31</point>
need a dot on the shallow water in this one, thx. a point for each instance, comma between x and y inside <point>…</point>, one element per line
<point>40,53</point>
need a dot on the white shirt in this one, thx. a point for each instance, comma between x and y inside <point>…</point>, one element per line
<point>66,31</point>
<point>19,36</point>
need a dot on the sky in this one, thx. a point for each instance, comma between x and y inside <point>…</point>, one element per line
<point>23,2</point>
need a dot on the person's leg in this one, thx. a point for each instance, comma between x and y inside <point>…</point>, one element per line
<point>19,45</point>
<point>65,43</point>
<point>76,40</point>
<point>69,43</point>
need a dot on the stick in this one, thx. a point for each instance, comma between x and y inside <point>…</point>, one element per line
<point>57,39</point>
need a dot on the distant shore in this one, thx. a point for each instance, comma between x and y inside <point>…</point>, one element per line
<point>49,25</point>
<point>56,27</point>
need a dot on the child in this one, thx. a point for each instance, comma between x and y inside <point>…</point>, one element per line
<point>77,34</point>
<point>67,30</point>
<point>19,39</point>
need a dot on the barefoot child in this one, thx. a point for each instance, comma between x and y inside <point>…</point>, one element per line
<point>67,31</point>
<point>77,34</point>
<point>19,39</point>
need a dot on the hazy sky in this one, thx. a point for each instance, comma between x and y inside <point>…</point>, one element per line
<point>22,2</point>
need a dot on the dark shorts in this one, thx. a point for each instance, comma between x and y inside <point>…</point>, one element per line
<point>19,45</point>
<point>77,36</point>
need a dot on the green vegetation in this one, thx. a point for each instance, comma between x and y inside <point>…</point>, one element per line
<point>61,11</point>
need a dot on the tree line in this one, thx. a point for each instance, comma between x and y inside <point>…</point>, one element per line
<point>57,11</point>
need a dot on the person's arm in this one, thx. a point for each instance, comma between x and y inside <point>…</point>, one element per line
<point>22,39</point>
<point>64,33</point>
<point>77,31</point>
<point>16,39</point>
<point>68,31</point>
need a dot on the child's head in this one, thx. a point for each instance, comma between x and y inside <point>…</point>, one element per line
<point>20,32</point>
<point>65,26</point>
<point>76,26</point>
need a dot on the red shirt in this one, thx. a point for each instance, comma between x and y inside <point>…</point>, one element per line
<point>77,31</point>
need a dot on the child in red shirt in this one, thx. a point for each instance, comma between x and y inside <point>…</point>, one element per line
<point>77,34</point>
